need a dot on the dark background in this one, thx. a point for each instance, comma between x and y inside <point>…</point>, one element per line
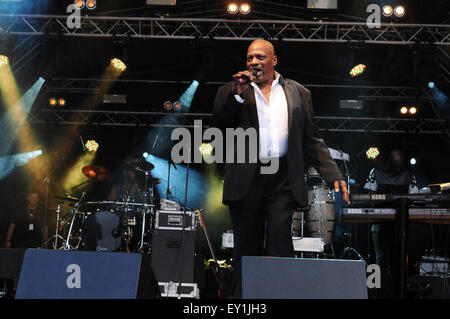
<point>182,60</point>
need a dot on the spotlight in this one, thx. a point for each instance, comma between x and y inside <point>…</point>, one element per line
<point>3,60</point>
<point>372,153</point>
<point>399,11</point>
<point>404,110</point>
<point>62,101</point>
<point>91,4</point>
<point>167,105</point>
<point>387,11</point>
<point>177,106</point>
<point>52,101</point>
<point>412,110</point>
<point>245,8</point>
<point>145,154</point>
<point>358,70</point>
<point>118,65</point>
<point>79,4</point>
<point>232,8</point>
<point>91,145</point>
<point>431,85</point>
<point>205,149</point>
<point>412,161</point>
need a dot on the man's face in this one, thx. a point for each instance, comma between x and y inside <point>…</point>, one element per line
<point>33,198</point>
<point>261,58</point>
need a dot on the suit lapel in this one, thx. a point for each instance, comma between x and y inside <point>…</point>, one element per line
<point>249,97</point>
<point>289,92</point>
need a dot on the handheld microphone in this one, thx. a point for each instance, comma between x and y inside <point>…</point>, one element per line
<point>244,79</point>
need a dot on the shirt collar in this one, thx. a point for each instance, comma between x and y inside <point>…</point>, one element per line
<point>278,80</point>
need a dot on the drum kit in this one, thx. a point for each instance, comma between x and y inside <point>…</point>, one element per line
<point>122,225</point>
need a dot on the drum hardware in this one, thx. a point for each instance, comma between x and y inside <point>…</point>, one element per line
<point>108,225</point>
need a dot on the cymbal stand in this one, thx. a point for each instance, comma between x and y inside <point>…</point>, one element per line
<point>58,210</point>
<point>144,213</point>
<point>74,212</point>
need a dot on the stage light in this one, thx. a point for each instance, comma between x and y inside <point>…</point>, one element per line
<point>91,145</point>
<point>412,110</point>
<point>167,105</point>
<point>52,101</point>
<point>431,85</point>
<point>399,11</point>
<point>413,161</point>
<point>145,155</point>
<point>387,11</point>
<point>205,149</point>
<point>232,8</point>
<point>373,153</point>
<point>176,106</point>
<point>3,60</point>
<point>79,4</point>
<point>10,162</point>
<point>404,110</point>
<point>358,70</point>
<point>118,65</point>
<point>91,4</point>
<point>188,96</point>
<point>62,101</point>
<point>245,8</point>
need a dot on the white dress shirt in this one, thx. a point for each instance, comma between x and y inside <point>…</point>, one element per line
<point>273,120</point>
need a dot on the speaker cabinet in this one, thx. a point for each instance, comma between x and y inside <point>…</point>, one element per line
<point>291,278</point>
<point>55,274</point>
<point>168,250</point>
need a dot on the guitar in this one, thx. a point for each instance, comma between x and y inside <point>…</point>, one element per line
<point>212,265</point>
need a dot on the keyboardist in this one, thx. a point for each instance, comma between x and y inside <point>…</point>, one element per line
<point>391,177</point>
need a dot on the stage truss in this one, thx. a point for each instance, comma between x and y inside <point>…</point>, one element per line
<point>99,118</point>
<point>226,29</point>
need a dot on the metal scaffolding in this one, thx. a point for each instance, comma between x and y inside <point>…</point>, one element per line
<point>393,93</point>
<point>226,29</point>
<point>97,118</point>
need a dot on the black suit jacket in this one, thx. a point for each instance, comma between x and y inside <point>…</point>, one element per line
<point>304,142</point>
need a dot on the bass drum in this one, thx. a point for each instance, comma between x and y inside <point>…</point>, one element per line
<point>101,232</point>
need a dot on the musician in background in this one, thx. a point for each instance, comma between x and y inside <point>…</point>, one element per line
<point>393,177</point>
<point>128,186</point>
<point>27,229</point>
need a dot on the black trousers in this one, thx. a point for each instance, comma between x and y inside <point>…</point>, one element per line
<point>262,220</point>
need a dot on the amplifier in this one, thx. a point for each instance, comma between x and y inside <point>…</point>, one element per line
<point>168,248</point>
<point>173,220</point>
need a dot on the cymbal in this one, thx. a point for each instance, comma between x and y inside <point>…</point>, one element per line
<point>140,164</point>
<point>153,181</point>
<point>67,198</point>
<point>96,172</point>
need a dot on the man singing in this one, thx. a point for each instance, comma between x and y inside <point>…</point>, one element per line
<point>280,111</point>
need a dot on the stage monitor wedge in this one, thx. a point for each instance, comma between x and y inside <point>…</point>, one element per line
<point>56,274</point>
<point>303,278</point>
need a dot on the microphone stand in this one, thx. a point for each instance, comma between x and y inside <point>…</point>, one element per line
<point>47,181</point>
<point>168,179</point>
<point>184,224</point>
